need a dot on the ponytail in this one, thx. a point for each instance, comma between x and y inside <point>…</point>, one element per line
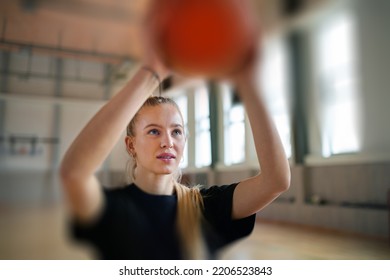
<point>188,221</point>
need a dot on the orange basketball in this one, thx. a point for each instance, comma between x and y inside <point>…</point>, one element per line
<point>202,37</point>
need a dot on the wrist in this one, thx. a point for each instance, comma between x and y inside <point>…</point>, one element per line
<point>150,71</point>
<point>157,70</point>
<point>244,85</point>
<point>154,75</point>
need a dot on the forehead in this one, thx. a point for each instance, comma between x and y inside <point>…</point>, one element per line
<point>164,115</point>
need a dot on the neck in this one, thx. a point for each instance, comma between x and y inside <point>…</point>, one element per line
<point>155,184</point>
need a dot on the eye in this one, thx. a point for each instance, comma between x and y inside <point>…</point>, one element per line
<point>153,132</point>
<point>177,132</point>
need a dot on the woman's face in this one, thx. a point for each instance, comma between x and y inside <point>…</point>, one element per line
<point>159,139</point>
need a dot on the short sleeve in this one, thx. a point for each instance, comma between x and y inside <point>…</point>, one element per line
<point>218,201</point>
<point>104,228</point>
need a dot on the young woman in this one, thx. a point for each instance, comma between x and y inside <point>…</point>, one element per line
<point>156,217</point>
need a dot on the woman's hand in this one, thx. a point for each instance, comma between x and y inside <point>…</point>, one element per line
<point>248,70</point>
<point>150,57</point>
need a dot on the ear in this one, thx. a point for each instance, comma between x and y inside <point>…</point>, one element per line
<point>129,141</point>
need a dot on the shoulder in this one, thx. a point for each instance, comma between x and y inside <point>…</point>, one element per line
<point>215,191</point>
<point>217,200</point>
<point>122,197</point>
<point>218,203</point>
<point>116,189</point>
<point>116,199</point>
<point>119,191</point>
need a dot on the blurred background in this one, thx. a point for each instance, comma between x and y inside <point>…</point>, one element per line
<point>325,74</point>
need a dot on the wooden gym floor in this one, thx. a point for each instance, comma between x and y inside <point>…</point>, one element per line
<point>39,233</point>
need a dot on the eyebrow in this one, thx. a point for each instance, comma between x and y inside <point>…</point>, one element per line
<point>157,125</point>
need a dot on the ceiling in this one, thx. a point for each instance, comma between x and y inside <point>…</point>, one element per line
<point>102,30</point>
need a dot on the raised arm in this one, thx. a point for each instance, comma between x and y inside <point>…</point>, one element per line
<point>253,194</point>
<point>97,139</point>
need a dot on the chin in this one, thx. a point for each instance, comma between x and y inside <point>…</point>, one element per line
<point>169,171</point>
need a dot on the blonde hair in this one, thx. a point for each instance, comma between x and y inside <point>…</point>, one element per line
<point>189,199</point>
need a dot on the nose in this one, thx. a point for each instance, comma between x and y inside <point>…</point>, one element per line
<point>166,142</point>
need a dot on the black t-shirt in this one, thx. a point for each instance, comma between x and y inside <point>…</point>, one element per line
<point>138,225</point>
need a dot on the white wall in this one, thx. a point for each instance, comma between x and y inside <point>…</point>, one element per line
<point>374,46</point>
<point>35,103</point>
<point>26,118</point>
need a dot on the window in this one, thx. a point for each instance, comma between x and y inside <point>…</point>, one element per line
<point>337,94</point>
<point>275,82</point>
<point>202,128</point>
<point>234,128</point>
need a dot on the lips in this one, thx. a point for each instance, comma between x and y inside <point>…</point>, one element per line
<point>166,156</point>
